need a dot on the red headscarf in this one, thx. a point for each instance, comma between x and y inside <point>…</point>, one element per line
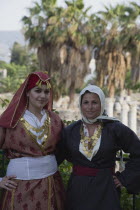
<point>18,104</point>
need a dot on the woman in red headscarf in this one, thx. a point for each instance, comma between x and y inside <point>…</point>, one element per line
<point>29,131</point>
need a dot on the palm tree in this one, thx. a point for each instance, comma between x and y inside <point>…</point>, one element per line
<point>64,41</point>
<point>131,38</point>
<point>111,62</point>
<point>111,65</point>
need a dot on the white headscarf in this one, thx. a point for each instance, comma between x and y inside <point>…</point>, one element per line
<point>99,92</point>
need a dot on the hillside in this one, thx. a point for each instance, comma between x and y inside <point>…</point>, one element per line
<point>7,39</point>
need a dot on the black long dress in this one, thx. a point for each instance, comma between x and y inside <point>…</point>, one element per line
<point>99,192</point>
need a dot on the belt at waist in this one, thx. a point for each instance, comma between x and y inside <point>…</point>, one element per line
<point>86,171</point>
<point>29,168</point>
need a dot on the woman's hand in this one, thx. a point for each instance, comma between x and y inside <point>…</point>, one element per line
<point>117,182</point>
<point>7,183</point>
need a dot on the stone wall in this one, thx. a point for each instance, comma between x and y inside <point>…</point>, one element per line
<point>125,108</point>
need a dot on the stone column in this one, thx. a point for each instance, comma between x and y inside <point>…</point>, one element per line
<point>109,106</point>
<point>124,113</point>
<point>117,109</point>
<point>133,116</point>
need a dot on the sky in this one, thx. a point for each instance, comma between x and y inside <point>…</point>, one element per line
<point>12,11</point>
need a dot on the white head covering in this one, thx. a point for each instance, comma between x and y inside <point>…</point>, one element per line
<point>99,92</point>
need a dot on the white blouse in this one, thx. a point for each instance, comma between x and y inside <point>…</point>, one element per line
<point>28,168</point>
<point>95,148</point>
<point>34,121</point>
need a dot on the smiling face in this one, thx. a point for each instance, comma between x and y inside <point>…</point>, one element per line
<point>90,105</point>
<point>38,98</point>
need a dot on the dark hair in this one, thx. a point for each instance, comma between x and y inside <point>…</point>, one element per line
<point>87,91</point>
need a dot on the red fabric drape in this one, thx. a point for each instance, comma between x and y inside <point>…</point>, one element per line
<point>18,104</point>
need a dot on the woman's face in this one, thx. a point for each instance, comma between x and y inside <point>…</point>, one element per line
<point>38,97</point>
<point>91,105</point>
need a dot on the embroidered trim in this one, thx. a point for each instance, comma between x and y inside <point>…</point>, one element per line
<point>20,117</point>
<point>46,133</point>
<point>18,105</point>
<point>39,83</point>
<point>5,198</point>
<point>12,199</point>
<point>41,78</point>
<point>49,192</point>
<point>58,203</point>
<point>88,143</point>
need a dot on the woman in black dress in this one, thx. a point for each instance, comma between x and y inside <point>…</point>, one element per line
<point>91,144</point>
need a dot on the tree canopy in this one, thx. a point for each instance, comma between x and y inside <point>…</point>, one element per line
<point>66,36</point>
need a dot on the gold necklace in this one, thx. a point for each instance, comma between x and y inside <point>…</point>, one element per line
<point>45,128</point>
<point>88,143</point>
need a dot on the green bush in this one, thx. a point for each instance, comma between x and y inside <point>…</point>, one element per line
<point>127,200</point>
<point>16,74</point>
<point>65,169</point>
